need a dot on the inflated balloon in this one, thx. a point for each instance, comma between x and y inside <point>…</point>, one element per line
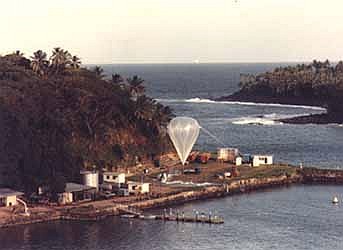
<point>183,131</point>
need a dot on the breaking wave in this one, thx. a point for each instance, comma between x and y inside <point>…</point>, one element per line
<point>267,119</point>
<point>255,121</point>
<point>202,100</point>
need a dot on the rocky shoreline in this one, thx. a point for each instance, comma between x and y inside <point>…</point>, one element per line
<point>90,213</point>
<point>240,96</point>
<point>315,118</point>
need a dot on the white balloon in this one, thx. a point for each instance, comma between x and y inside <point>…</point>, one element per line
<point>183,131</point>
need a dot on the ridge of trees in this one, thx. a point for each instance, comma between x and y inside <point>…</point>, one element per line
<point>318,81</point>
<point>57,117</point>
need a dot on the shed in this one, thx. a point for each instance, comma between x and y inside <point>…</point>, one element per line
<point>258,160</point>
<point>77,192</point>
<point>138,187</point>
<point>8,197</point>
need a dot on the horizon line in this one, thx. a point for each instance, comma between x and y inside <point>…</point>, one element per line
<point>205,62</point>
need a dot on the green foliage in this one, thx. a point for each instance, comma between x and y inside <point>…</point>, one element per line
<point>319,81</point>
<point>56,115</point>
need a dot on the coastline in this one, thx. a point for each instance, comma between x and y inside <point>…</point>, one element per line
<point>91,212</point>
<point>315,118</point>
<point>324,118</point>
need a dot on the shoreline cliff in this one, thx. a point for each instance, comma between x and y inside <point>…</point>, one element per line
<point>316,84</point>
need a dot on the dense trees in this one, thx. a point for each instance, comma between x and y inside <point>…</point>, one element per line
<point>56,116</point>
<point>318,83</point>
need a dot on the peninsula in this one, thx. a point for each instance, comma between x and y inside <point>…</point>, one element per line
<point>314,84</point>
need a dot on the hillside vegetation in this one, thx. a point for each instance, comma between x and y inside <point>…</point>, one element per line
<point>57,117</point>
<point>317,83</point>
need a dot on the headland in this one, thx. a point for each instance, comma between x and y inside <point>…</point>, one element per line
<point>314,84</point>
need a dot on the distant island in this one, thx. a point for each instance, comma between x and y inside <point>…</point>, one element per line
<point>57,117</point>
<point>314,84</point>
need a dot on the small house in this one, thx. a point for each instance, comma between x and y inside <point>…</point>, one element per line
<point>113,177</point>
<point>8,197</point>
<point>76,192</point>
<point>137,187</point>
<point>258,160</point>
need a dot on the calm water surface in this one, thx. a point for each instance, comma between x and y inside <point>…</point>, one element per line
<point>299,217</point>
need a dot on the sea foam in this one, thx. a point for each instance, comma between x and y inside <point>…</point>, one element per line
<point>204,100</point>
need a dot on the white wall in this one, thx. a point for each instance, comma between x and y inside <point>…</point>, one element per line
<point>262,160</point>
<point>113,178</point>
<point>11,201</point>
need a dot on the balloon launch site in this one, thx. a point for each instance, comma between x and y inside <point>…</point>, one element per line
<point>179,176</point>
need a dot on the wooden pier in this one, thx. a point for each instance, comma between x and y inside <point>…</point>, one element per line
<point>193,219</point>
<point>177,217</point>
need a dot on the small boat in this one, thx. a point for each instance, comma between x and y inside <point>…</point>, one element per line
<point>128,216</point>
<point>335,200</point>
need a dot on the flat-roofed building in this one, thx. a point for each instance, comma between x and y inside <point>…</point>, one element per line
<point>76,192</point>
<point>258,160</point>
<point>113,177</point>
<point>134,187</point>
<point>8,197</point>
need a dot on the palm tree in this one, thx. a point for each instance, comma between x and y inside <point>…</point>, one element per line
<point>18,58</point>
<point>39,62</point>
<point>136,86</point>
<point>99,72</point>
<point>144,109</point>
<point>18,53</point>
<point>117,79</point>
<point>60,59</point>
<point>75,62</point>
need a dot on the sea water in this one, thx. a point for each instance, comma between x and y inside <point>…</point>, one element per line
<point>189,89</point>
<point>297,217</point>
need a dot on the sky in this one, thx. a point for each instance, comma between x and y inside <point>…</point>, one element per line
<point>176,31</point>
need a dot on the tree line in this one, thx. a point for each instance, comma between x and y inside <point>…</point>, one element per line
<point>57,117</point>
<point>319,82</point>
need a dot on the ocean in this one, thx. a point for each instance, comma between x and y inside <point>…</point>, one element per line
<point>297,217</point>
<point>188,88</point>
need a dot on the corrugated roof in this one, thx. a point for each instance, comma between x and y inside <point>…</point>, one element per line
<point>5,192</point>
<point>75,187</point>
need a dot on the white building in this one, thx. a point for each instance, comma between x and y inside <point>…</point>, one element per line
<point>238,161</point>
<point>8,197</point>
<point>114,177</point>
<point>138,187</point>
<point>90,178</point>
<point>258,160</point>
